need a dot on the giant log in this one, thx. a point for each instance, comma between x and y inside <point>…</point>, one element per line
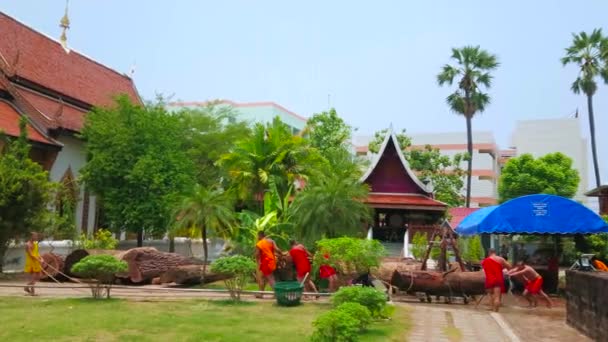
<point>190,275</point>
<point>448,284</point>
<point>53,265</point>
<point>146,263</point>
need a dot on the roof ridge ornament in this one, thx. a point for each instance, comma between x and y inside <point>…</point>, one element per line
<point>64,23</point>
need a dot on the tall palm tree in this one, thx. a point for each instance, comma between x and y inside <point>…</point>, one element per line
<point>471,72</point>
<point>270,155</point>
<point>590,54</point>
<point>204,211</point>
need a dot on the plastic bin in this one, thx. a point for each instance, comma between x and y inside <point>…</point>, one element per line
<point>288,293</point>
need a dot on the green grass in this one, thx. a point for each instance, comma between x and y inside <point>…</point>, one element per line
<point>39,319</point>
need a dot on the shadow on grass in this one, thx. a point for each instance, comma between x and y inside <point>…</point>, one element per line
<point>230,302</point>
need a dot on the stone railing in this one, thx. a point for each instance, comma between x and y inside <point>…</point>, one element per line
<point>587,303</point>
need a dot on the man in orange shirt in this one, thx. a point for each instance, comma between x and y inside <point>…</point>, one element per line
<point>265,253</point>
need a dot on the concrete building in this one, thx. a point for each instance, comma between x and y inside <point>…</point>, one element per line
<point>540,137</point>
<point>485,154</point>
<point>252,112</point>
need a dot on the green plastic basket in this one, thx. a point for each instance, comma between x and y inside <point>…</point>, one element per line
<point>288,293</point>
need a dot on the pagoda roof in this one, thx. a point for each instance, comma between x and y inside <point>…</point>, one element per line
<point>390,142</point>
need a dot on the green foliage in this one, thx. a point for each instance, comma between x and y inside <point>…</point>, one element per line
<point>474,249</point>
<point>369,297</point>
<point>205,211</point>
<point>443,171</point>
<point>101,268</point>
<point>349,255</point>
<point>589,52</point>
<point>436,251</point>
<point>270,154</point>
<point>24,190</point>
<point>358,311</point>
<point>551,174</point>
<point>336,326</point>
<point>327,131</point>
<point>598,244</point>
<point>138,164</point>
<point>420,243</point>
<point>102,239</point>
<point>210,132</point>
<point>239,268</point>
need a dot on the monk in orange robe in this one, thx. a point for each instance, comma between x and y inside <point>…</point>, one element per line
<point>599,265</point>
<point>495,282</point>
<point>265,252</point>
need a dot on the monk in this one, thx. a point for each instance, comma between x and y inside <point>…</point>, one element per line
<point>329,273</point>
<point>265,253</point>
<point>495,282</point>
<point>533,283</point>
<point>33,263</point>
<point>599,265</point>
<point>301,260</point>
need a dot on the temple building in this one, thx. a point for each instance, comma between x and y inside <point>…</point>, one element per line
<point>402,203</point>
<point>53,88</point>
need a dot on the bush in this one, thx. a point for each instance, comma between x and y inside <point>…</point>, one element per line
<point>103,239</point>
<point>101,268</point>
<point>369,297</point>
<point>436,251</point>
<point>359,312</point>
<point>336,326</point>
<point>239,268</point>
<point>419,244</point>
<point>474,249</point>
<point>349,255</point>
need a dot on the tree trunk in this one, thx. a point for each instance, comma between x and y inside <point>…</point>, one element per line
<point>596,168</point>
<point>470,161</point>
<point>3,249</point>
<point>140,238</point>
<point>171,244</point>
<point>205,252</point>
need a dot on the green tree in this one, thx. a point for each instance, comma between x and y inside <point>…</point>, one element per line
<point>551,174</point>
<point>420,243</point>
<point>327,131</point>
<point>270,154</point>
<point>444,172</point>
<point>348,255</point>
<point>24,190</point>
<point>474,249</point>
<point>471,72</point>
<point>239,269</point>
<point>589,52</point>
<point>206,211</point>
<point>209,133</point>
<point>137,164</point>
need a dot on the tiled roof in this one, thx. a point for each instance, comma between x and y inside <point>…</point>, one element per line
<point>402,200</point>
<point>62,114</point>
<point>30,55</point>
<point>9,124</point>
<point>458,214</point>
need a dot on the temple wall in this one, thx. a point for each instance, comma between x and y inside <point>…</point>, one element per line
<point>587,303</point>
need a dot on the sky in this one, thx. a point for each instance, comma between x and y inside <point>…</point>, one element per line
<point>375,62</point>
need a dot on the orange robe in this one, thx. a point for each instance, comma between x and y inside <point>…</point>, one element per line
<point>600,266</point>
<point>267,261</point>
<point>493,271</point>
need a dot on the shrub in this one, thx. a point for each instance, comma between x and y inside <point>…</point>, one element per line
<point>436,251</point>
<point>349,255</point>
<point>419,244</point>
<point>336,326</point>
<point>474,249</point>
<point>359,312</point>
<point>102,268</point>
<point>103,239</point>
<point>239,268</point>
<point>369,297</point>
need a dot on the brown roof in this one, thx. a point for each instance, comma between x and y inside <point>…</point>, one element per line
<point>402,201</point>
<point>31,57</point>
<point>62,114</point>
<point>9,124</point>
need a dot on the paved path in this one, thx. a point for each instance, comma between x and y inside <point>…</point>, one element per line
<point>444,324</point>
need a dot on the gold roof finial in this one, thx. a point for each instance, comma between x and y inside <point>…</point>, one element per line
<point>65,25</point>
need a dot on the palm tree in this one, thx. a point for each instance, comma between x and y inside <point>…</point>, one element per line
<point>472,71</point>
<point>206,210</point>
<point>590,54</point>
<point>270,155</point>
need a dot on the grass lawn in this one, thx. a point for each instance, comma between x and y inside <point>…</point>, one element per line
<point>39,319</point>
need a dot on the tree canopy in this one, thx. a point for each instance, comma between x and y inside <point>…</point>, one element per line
<point>327,131</point>
<point>24,190</point>
<point>550,174</point>
<point>138,165</point>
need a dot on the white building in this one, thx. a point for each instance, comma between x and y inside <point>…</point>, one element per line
<point>540,137</point>
<point>485,166</point>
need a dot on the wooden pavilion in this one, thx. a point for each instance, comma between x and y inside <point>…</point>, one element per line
<point>403,204</point>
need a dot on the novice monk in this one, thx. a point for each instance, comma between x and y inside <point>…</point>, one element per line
<point>495,283</point>
<point>267,262</point>
<point>329,273</point>
<point>299,255</point>
<point>33,263</point>
<point>533,283</point>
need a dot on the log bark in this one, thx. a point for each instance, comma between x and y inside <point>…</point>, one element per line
<point>146,263</point>
<point>189,275</point>
<point>53,264</point>
<point>452,284</point>
<point>71,259</point>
